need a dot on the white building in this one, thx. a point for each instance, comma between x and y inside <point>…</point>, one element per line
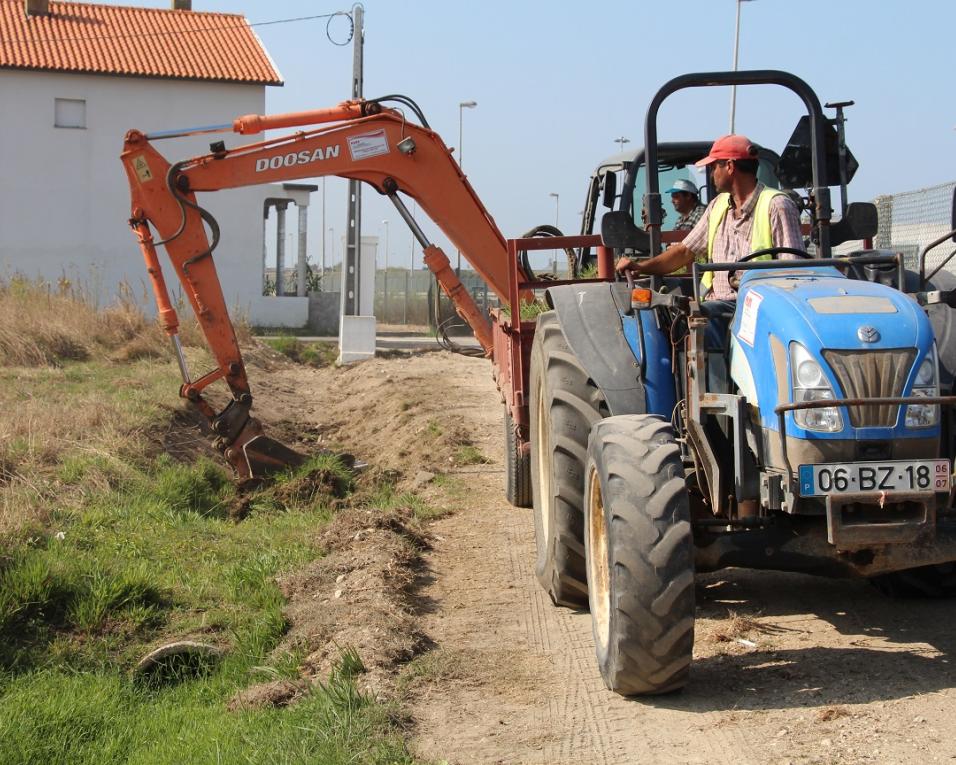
<point>74,77</point>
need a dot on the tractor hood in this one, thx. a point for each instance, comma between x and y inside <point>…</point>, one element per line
<point>822,310</point>
<point>822,307</point>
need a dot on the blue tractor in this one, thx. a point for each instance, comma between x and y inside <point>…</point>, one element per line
<point>815,437</point>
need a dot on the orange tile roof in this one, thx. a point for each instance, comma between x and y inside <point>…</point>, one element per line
<point>138,42</point>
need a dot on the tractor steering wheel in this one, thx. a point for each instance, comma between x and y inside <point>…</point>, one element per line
<point>772,252</point>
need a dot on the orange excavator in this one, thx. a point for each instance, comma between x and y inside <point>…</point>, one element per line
<point>358,139</point>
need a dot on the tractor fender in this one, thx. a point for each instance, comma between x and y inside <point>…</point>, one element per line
<point>590,318</point>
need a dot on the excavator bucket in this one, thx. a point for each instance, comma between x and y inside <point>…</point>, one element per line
<point>253,455</point>
<point>264,455</point>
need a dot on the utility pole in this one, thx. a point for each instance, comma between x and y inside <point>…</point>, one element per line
<point>351,260</point>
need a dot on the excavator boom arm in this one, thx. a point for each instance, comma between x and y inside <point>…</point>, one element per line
<point>383,150</point>
<point>360,141</point>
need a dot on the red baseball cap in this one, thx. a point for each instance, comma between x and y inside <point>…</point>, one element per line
<point>729,147</point>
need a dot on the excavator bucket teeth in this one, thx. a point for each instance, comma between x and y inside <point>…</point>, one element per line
<point>265,456</point>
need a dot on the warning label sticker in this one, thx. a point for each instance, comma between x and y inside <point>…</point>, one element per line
<point>368,145</point>
<point>141,166</point>
<point>748,319</point>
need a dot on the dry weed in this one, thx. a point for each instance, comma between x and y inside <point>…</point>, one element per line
<point>46,325</point>
<point>737,626</point>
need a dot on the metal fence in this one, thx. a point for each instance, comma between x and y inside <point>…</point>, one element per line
<point>908,222</point>
<point>403,296</point>
<point>913,219</point>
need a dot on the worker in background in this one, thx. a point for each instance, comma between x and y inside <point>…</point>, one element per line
<point>686,200</point>
<point>745,216</point>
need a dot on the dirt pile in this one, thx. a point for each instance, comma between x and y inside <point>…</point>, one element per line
<point>384,411</point>
<point>355,601</point>
<point>359,595</point>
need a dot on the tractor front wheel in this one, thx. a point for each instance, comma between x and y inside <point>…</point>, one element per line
<point>640,555</point>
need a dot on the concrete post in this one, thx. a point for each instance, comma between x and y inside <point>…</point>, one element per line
<point>303,208</point>
<point>265,249</point>
<point>280,247</point>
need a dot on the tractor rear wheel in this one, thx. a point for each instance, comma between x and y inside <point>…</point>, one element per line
<point>564,404</point>
<point>517,466</point>
<point>640,555</point>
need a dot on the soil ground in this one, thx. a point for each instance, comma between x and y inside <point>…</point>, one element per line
<point>787,668</point>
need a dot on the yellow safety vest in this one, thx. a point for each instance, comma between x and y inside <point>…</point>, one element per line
<point>761,234</point>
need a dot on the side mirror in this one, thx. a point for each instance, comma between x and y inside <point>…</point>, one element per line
<point>952,217</point>
<point>860,222</point>
<point>609,190</point>
<point>618,231</point>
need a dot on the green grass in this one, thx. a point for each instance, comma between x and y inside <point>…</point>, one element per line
<point>529,311</point>
<point>58,717</point>
<point>138,551</point>
<point>264,332</point>
<point>109,549</point>
<point>385,497</point>
<point>470,455</point>
<point>455,487</point>
<point>316,353</point>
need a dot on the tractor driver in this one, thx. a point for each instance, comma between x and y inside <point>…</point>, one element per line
<point>745,216</point>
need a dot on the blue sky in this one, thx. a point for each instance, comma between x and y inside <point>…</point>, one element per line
<point>556,82</point>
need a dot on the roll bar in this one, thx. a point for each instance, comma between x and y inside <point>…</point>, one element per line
<point>821,193</point>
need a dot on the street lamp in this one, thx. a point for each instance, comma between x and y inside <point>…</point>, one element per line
<point>385,276</point>
<point>622,140</point>
<point>733,88</point>
<point>462,106</point>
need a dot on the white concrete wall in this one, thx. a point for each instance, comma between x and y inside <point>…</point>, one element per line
<point>64,198</point>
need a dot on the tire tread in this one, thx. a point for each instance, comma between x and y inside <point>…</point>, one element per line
<point>650,544</point>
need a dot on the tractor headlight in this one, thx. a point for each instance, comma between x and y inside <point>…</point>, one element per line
<point>925,385</point>
<point>810,384</point>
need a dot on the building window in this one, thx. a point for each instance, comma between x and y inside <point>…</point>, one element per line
<point>69,113</point>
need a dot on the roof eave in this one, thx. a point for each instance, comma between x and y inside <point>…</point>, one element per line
<point>131,75</point>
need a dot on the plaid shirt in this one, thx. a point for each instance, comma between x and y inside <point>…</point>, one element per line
<point>687,222</point>
<point>732,241</point>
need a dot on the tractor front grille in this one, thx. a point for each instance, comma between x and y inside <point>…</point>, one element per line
<point>871,374</point>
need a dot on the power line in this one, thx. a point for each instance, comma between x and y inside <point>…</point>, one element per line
<point>214,28</point>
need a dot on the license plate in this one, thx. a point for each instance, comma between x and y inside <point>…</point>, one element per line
<point>856,477</point>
